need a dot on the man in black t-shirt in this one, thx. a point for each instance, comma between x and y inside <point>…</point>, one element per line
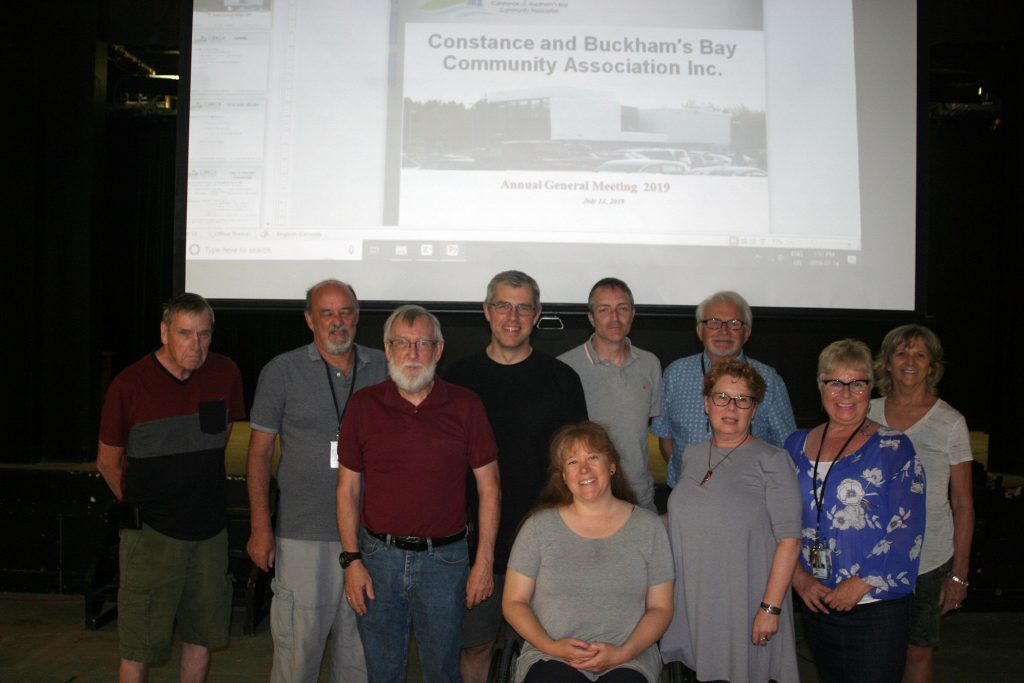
<point>528,396</point>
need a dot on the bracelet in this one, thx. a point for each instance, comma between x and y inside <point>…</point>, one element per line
<point>956,579</point>
<point>771,609</point>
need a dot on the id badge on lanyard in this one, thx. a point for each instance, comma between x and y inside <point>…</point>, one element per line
<point>820,560</point>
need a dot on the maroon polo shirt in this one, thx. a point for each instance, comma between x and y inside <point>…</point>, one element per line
<point>415,459</point>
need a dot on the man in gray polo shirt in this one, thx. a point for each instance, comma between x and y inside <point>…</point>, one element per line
<point>621,382</point>
<point>301,397</point>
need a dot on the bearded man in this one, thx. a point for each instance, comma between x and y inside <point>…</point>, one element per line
<point>406,448</point>
<point>302,397</point>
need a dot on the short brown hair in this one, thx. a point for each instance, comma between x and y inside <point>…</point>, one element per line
<point>188,303</point>
<point>733,367</point>
<point>608,283</point>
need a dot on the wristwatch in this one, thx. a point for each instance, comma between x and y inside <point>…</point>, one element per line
<point>348,558</point>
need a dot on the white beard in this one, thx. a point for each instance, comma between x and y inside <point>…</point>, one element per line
<point>412,385</point>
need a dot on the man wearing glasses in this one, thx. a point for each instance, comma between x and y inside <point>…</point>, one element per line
<point>528,396</point>
<point>724,324</point>
<point>302,397</point>
<point>622,383</point>
<point>406,448</point>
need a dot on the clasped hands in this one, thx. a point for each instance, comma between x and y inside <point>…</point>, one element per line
<point>819,598</point>
<point>593,657</point>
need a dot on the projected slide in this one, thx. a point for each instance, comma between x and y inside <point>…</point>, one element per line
<point>564,133</point>
<point>417,147</point>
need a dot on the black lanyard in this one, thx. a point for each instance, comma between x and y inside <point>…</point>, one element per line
<point>820,502</point>
<point>330,382</point>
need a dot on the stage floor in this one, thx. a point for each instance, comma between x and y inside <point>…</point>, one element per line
<point>42,639</point>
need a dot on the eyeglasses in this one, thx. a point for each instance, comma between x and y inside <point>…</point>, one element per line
<point>722,399</point>
<point>856,386</point>
<point>716,324</point>
<point>505,308</point>
<point>403,345</point>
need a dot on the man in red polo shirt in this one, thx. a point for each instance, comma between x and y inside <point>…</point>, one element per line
<point>405,448</point>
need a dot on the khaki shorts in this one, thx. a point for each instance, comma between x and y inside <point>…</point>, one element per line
<point>165,580</point>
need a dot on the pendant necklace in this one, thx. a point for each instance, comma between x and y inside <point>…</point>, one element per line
<point>711,470</point>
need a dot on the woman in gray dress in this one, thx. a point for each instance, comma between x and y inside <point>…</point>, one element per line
<point>589,582</point>
<point>734,524</point>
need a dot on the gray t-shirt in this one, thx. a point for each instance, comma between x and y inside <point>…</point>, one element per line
<point>293,399</point>
<point>623,400</point>
<point>592,589</point>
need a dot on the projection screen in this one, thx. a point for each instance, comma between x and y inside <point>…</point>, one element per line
<point>417,148</point>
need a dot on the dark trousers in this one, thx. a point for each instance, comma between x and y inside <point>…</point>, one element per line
<point>550,671</point>
<point>868,644</point>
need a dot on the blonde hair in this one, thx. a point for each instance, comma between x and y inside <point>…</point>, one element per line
<point>904,336</point>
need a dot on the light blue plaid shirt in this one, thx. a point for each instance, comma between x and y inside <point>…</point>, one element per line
<point>682,417</point>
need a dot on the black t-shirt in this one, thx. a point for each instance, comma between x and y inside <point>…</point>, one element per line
<point>526,404</point>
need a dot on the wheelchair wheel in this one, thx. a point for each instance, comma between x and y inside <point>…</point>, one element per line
<point>503,662</point>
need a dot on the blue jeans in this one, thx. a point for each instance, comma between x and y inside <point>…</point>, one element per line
<point>422,589</point>
<point>868,643</point>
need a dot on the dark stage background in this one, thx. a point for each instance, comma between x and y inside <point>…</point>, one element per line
<point>90,161</point>
<point>92,201</point>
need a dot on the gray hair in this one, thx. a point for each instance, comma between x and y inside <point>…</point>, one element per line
<point>609,283</point>
<point>849,352</point>
<point>409,314</point>
<point>188,303</point>
<point>733,298</point>
<point>331,282</point>
<point>515,279</point>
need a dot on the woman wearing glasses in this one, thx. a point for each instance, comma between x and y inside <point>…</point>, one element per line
<point>863,522</point>
<point>909,367</point>
<point>734,524</point>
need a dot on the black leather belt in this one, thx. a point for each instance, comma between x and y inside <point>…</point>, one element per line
<point>417,542</point>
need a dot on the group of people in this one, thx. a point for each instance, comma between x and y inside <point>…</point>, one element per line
<point>513,497</point>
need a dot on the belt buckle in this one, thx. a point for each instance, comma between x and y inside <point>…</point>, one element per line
<point>409,542</point>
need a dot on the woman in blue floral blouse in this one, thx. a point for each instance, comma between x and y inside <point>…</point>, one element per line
<point>863,522</point>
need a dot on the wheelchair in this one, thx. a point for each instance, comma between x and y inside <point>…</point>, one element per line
<point>506,651</point>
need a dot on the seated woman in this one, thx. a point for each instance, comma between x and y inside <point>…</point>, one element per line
<point>734,524</point>
<point>589,582</point>
<point>863,520</point>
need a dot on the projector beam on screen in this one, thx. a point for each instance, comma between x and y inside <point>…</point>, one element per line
<point>417,148</point>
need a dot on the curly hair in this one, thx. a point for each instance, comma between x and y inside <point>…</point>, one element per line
<point>732,367</point>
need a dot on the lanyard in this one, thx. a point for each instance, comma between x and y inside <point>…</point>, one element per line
<point>820,502</point>
<point>707,418</point>
<point>330,383</point>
